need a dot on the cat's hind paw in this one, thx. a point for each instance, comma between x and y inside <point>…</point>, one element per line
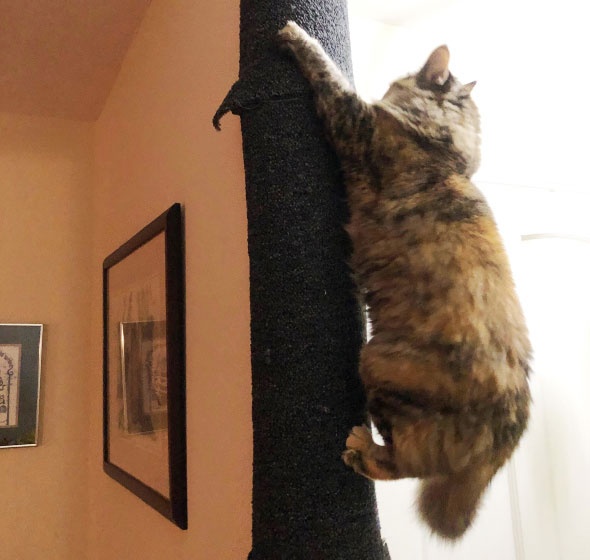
<point>352,459</point>
<point>359,441</point>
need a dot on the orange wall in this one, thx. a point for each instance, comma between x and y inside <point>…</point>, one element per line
<point>45,257</point>
<point>154,145</point>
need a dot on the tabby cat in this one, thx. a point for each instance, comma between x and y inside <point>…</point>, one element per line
<point>446,369</point>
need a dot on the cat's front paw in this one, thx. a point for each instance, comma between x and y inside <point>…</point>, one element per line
<point>290,34</point>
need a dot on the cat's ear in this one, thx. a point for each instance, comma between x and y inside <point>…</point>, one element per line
<point>466,89</point>
<point>436,70</point>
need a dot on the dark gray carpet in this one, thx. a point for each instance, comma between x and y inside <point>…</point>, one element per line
<point>306,328</point>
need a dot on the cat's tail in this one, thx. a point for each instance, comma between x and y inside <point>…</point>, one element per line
<point>448,504</point>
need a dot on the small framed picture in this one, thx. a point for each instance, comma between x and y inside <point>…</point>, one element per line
<point>144,419</point>
<point>20,376</point>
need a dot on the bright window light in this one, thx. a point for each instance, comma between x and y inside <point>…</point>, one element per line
<point>530,60</point>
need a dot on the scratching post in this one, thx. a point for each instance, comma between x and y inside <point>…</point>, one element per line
<point>305,323</point>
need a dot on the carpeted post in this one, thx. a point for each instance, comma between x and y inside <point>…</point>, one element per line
<point>306,326</point>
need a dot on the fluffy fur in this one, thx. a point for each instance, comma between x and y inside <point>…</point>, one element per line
<point>446,368</point>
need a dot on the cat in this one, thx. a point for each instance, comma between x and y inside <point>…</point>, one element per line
<point>446,370</point>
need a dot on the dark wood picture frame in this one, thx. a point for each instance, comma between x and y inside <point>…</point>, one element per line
<point>173,507</point>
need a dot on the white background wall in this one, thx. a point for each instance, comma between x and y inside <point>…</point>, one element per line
<point>529,61</point>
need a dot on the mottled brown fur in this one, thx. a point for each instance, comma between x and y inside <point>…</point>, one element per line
<point>446,368</point>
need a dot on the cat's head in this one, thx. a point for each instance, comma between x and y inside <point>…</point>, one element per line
<point>435,105</point>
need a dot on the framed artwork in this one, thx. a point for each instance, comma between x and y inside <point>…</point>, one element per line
<point>144,401</point>
<point>20,376</point>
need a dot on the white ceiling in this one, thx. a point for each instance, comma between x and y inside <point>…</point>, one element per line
<point>59,58</point>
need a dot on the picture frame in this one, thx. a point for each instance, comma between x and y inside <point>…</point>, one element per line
<point>20,384</point>
<point>144,396</point>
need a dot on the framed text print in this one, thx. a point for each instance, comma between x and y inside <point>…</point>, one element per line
<point>20,375</point>
<point>144,422</point>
